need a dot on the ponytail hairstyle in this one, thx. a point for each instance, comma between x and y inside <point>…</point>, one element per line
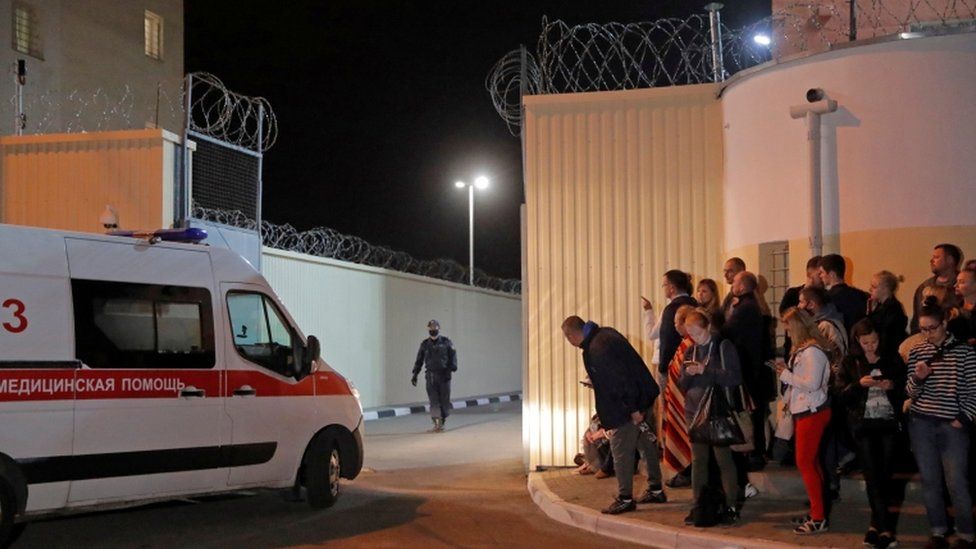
<point>931,308</point>
<point>889,280</point>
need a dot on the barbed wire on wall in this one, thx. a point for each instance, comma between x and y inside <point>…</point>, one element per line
<point>93,110</point>
<point>668,52</point>
<point>217,111</point>
<point>223,114</point>
<point>326,242</point>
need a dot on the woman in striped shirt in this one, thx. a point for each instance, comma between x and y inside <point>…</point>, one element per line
<point>942,389</point>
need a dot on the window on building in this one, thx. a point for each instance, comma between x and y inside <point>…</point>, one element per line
<point>774,267</point>
<point>122,325</point>
<point>260,333</point>
<point>26,30</point>
<point>154,35</point>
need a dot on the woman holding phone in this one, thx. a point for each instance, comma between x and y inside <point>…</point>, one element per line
<point>872,389</point>
<point>806,377</point>
<point>711,361</point>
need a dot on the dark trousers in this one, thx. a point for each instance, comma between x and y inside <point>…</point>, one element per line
<point>837,443</point>
<point>876,448</point>
<point>625,442</point>
<point>942,453</point>
<point>439,394</point>
<point>759,417</point>
<point>701,455</point>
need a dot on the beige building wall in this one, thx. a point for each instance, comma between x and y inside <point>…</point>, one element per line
<point>897,167</point>
<point>92,72</point>
<point>620,187</point>
<point>64,181</point>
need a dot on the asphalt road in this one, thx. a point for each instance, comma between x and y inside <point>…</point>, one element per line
<point>461,488</point>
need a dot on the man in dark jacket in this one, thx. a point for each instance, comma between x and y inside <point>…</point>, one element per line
<point>850,301</point>
<point>792,296</point>
<point>625,391</point>
<point>677,287</point>
<point>732,267</point>
<point>945,262</point>
<point>744,328</point>
<point>438,354</point>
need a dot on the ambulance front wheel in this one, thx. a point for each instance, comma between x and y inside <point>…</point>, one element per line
<point>322,469</point>
<point>9,531</point>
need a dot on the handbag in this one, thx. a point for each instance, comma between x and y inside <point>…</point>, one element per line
<point>714,423</point>
<point>742,406</point>
<point>743,414</point>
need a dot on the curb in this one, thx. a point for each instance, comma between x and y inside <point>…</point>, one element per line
<point>396,411</point>
<point>635,531</point>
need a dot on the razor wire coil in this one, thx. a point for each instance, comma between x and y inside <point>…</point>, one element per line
<point>216,111</point>
<point>330,243</point>
<point>668,52</point>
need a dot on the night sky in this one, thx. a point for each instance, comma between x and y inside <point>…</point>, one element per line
<point>381,106</point>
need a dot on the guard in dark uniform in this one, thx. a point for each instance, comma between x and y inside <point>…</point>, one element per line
<point>438,353</point>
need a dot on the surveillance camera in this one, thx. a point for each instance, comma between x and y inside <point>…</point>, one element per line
<point>815,94</point>
<point>109,218</point>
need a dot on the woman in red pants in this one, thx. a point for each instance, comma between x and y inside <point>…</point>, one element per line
<point>806,378</point>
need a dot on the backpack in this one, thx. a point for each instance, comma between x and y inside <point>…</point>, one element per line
<point>835,355</point>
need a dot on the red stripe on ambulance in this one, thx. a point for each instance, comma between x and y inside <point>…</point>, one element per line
<point>40,385</point>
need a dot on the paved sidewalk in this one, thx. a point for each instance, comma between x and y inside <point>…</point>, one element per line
<point>576,500</point>
<point>384,412</point>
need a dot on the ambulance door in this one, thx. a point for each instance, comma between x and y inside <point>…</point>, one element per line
<point>37,365</point>
<point>268,400</point>
<point>148,395</point>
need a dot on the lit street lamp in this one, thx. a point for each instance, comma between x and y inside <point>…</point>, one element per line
<point>480,182</point>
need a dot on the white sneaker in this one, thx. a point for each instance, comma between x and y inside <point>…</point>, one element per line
<point>750,491</point>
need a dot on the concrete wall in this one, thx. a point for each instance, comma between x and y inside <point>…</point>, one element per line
<point>897,161</point>
<point>92,45</point>
<point>620,187</point>
<point>371,322</point>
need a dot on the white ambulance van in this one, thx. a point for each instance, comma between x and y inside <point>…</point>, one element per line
<point>134,371</point>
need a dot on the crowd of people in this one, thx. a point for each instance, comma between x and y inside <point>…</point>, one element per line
<point>853,377</point>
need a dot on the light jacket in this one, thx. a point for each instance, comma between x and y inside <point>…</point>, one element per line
<point>806,379</point>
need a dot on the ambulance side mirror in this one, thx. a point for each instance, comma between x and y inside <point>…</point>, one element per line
<point>313,351</point>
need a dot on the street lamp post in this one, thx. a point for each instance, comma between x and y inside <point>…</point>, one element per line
<point>480,182</point>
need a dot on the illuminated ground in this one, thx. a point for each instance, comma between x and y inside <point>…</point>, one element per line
<point>464,487</point>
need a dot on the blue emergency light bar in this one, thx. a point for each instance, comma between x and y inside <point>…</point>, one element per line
<point>190,235</point>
